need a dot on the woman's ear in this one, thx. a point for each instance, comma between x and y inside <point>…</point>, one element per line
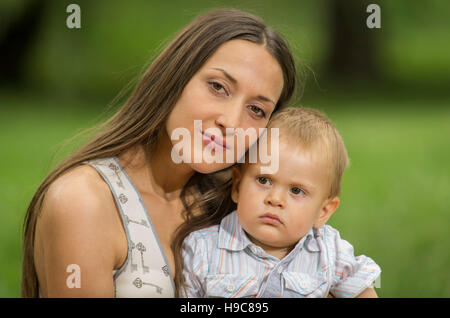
<point>236,175</point>
<point>327,210</point>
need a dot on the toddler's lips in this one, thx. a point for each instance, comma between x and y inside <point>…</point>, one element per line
<point>271,218</point>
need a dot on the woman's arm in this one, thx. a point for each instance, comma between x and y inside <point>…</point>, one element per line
<point>76,226</point>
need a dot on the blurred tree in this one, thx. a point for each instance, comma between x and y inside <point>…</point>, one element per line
<point>352,52</point>
<point>16,40</point>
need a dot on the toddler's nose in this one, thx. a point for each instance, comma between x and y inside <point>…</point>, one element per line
<point>275,198</point>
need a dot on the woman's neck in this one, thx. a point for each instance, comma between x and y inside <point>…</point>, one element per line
<point>156,173</point>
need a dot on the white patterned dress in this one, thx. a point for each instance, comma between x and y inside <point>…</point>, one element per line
<point>146,272</point>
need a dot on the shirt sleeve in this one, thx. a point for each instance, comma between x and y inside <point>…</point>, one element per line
<point>351,274</point>
<point>194,266</point>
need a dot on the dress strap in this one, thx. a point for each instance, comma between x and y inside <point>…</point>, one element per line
<point>146,259</point>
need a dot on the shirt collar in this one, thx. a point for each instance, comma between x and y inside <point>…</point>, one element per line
<point>310,243</point>
<point>232,236</point>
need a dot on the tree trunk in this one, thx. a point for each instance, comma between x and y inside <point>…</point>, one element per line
<point>352,51</point>
<point>16,42</point>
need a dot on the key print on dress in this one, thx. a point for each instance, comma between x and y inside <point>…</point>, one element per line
<point>116,169</point>
<point>133,267</point>
<point>141,248</point>
<point>139,283</point>
<point>165,270</point>
<point>142,222</point>
<point>123,198</point>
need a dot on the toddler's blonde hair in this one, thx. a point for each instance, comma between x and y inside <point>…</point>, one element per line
<point>309,127</point>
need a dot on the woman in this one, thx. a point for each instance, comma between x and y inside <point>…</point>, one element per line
<point>101,224</point>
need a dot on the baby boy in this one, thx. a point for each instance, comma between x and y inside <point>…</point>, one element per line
<point>277,242</point>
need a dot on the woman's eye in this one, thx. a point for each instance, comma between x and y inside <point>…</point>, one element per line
<point>217,87</point>
<point>257,111</point>
<point>263,180</point>
<point>297,191</point>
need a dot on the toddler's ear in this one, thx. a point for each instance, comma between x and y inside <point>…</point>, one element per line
<point>327,210</point>
<point>236,175</point>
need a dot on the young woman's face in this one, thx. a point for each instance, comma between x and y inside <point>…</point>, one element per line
<point>237,87</point>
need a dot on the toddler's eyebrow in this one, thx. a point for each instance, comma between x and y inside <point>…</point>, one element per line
<point>231,78</point>
<point>303,185</point>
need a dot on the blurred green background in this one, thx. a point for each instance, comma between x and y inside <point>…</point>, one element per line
<point>386,89</point>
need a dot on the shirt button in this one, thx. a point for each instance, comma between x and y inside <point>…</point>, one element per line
<point>230,288</point>
<point>280,269</point>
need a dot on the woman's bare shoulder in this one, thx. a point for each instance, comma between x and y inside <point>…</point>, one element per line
<point>80,187</point>
<point>79,198</point>
<point>78,216</point>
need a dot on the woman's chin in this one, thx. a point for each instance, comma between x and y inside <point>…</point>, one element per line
<point>205,168</point>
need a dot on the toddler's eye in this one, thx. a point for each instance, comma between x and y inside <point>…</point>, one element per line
<point>263,180</point>
<point>297,191</point>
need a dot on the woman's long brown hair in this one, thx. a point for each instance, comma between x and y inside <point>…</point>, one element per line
<point>145,112</point>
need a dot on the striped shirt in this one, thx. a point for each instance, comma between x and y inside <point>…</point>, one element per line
<point>220,261</point>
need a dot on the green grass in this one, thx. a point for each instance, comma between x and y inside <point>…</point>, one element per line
<point>31,132</point>
<point>394,199</point>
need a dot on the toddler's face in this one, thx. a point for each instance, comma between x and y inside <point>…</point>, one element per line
<point>277,210</point>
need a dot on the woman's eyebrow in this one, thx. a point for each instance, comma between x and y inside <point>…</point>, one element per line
<point>264,98</point>
<point>231,78</point>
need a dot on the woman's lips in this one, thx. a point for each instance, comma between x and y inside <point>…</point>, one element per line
<point>271,219</point>
<point>217,142</point>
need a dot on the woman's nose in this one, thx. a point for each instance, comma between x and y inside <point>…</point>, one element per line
<point>230,117</point>
<point>275,198</point>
